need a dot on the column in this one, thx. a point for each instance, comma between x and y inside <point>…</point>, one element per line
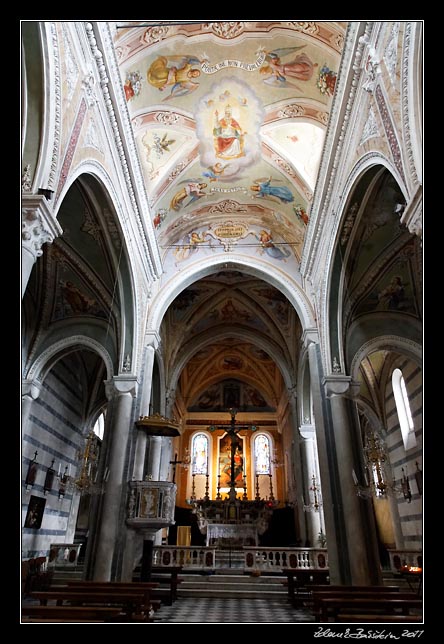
<point>30,391</point>
<point>334,528</point>
<point>153,466</point>
<point>165,458</point>
<point>39,226</point>
<point>139,456</point>
<point>122,389</point>
<point>301,519</point>
<point>364,569</point>
<point>307,442</point>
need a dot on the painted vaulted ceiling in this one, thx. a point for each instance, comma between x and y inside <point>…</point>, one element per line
<point>229,121</point>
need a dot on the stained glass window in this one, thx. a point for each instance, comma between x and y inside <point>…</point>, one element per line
<point>200,454</point>
<point>262,454</point>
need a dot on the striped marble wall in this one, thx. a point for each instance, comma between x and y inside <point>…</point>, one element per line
<point>410,514</point>
<point>54,430</point>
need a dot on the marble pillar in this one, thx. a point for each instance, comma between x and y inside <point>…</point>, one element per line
<point>364,570</point>
<point>309,457</point>
<point>39,226</point>
<point>122,389</point>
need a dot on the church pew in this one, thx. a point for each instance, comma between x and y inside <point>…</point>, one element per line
<point>76,613</point>
<point>372,618</point>
<point>299,579</point>
<point>133,604</point>
<point>146,587</point>
<point>378,603</point>
<point>168,580</point>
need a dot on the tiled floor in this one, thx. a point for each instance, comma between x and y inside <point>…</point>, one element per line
<point>192,610</point>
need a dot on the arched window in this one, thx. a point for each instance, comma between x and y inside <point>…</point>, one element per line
<point>403,409</point>
<point>200,454</point>
<point>262,454</point>
<point>99,426</point>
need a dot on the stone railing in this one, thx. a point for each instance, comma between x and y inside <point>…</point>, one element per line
<point>63,555</point>
<point>274,559</point>
<point>189,557</point>
<point>151,504</point>
<point>399,558</point>
<point>254,558</point>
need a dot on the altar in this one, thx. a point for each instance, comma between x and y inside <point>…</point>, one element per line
<point>240,534</point>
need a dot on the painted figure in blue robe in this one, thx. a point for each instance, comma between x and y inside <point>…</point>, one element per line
<point>266,240</point>
<point>264,189</point>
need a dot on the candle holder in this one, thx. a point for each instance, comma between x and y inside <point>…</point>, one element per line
<point>244,496</point>
<point>271,497</point>
<point>193,489</point>
<point>64,480</point>
<point>207,488</point>
<point>257,497</point>
<point>218,495</point>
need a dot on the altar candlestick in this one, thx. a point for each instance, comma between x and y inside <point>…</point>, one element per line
<point>257,497</point>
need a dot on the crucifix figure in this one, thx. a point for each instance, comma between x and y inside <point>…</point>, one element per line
<point>175,463</point>
<point>232,432</point>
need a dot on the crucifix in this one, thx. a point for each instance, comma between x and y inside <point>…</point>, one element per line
<point>175,463</point>
<point>232,432</point>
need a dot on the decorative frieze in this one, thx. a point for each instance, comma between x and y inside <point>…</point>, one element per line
<point>389,131</point>
<point>226,30</point>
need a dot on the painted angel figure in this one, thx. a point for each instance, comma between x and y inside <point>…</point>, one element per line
<point>266,240</point>
<point>277,193</point>
<point>277,72</point>
<point>214,172</point>
<point>193,189</point>
<point>176,72</point>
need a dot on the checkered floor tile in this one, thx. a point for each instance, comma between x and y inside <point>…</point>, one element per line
<point>196,610</point>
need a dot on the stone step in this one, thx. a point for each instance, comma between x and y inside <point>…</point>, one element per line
<point>246,593</point>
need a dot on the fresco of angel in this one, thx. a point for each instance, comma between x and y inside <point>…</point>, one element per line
<point>278,72</point>
<point>214,172</point>
<point>264,189</point>
<point>266,240</point>
<point>177,72</point>
<point>193,189</point>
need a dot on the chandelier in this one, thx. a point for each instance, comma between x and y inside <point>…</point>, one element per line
<point>378,482</point>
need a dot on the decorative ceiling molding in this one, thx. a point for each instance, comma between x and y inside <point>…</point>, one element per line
<point>407,105</point>
<point>334,140</point>
<point>151,252</point>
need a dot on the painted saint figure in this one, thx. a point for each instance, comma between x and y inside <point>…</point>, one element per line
<point>228,136</point>
<point>175,71</point>
<point>265,189</point>
<point>192,189</point>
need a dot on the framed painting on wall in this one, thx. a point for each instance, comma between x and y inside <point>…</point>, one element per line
<point>35,512</point>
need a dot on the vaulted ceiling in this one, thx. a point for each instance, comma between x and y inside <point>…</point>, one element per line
<point>229,120</point>
<point>273,81</point>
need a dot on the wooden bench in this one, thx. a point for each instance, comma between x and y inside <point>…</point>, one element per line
<point>372,618</point>
<point>301,579</point>
<point>168,580</point>
<point>338,591</point>
<point>377,603</point>
<point>71,613</point>
<point>146,587</point>
<point>131,603</point>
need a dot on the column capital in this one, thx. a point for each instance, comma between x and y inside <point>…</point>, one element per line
<point>310,336</point>
<point>307,431</point>
<point>340,385</point>
<point>412,215</point>
<point>39,226</point>
<point>31,388</point>
<point>119,385</point>
<point>152,339</point>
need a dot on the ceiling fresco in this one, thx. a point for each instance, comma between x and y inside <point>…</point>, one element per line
<point>229,118</point>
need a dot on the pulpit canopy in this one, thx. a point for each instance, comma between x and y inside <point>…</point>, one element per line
<point>158,425</point>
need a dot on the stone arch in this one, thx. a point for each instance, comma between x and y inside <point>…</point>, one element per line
<point>289,287</point>
<point>394,343</point>
<point>369,168</point>
<point>47,359</point>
